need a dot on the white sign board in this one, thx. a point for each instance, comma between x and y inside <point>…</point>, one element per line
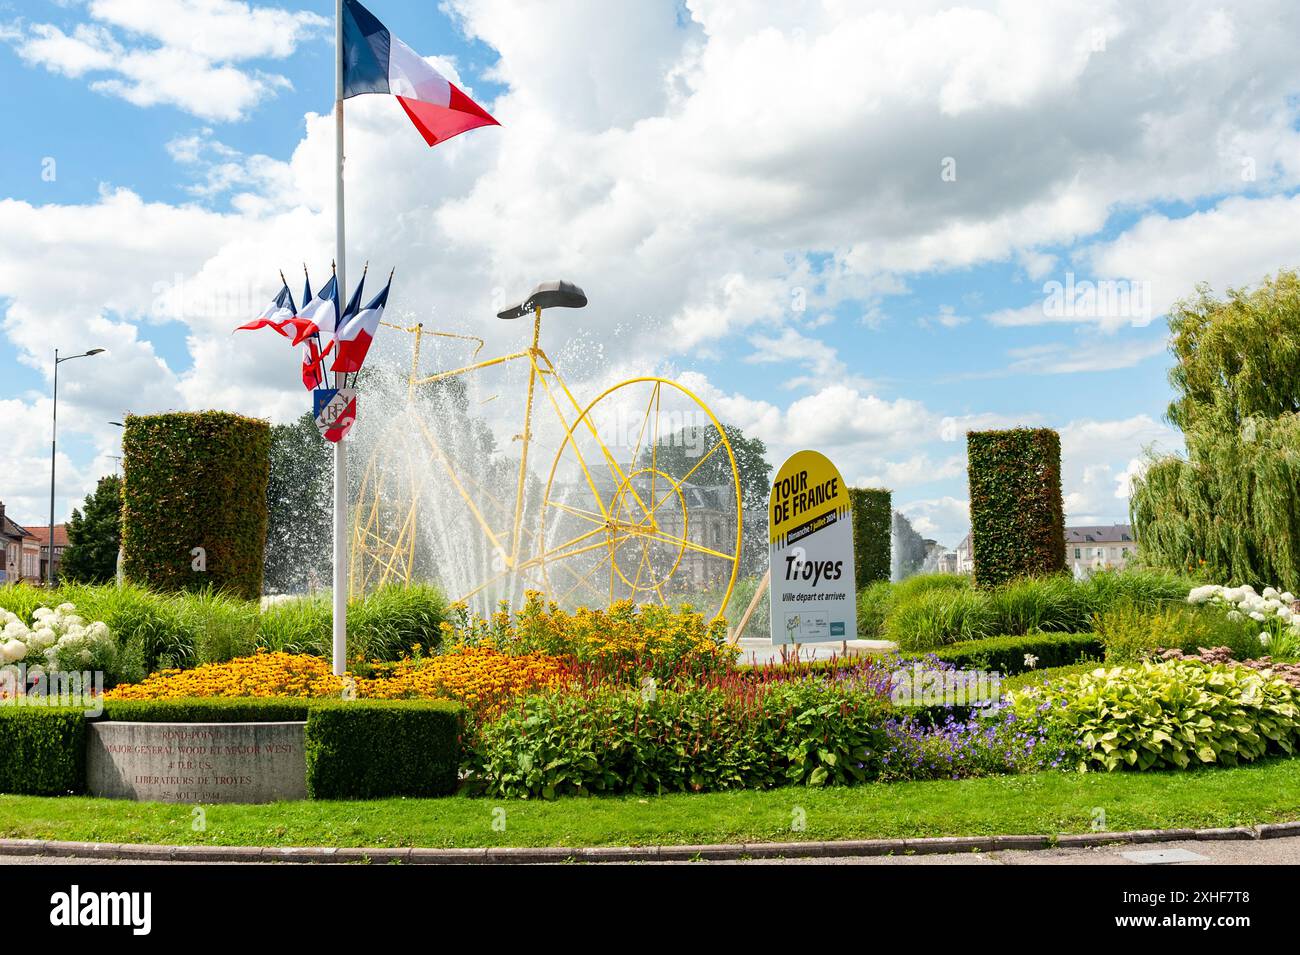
<point>811,550</point>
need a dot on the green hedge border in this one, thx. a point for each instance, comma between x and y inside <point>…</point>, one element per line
<point>355,749</point>
<point>1016,511</point>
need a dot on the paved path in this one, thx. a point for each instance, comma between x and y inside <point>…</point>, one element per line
<point>761,650</point>
<point>1276,851</point>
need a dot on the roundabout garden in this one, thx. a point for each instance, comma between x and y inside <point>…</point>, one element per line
<point>648,710</point>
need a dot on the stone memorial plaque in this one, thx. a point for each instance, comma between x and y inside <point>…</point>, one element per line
<point>196,762</point>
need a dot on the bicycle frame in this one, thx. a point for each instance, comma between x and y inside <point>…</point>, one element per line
<point>540,368</point>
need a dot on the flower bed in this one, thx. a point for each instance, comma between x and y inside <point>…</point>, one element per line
<point>481,678</point>
<point>624,643</point>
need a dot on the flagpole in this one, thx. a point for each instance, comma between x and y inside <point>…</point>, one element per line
<point>340,594</point>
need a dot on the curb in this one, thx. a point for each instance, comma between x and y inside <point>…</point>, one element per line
<point>544,855</point>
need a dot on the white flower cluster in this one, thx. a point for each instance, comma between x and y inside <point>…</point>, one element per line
<point>1269,607</point>
<point>58,637</point>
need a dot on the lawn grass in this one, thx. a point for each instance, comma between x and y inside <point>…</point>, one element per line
<point>1050,803</point>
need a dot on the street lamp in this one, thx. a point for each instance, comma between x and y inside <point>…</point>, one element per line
<point>54,436</point>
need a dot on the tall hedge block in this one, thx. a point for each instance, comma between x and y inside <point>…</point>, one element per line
<point>195,480</point>
<point>872,517</point>
<point>1016,513</point>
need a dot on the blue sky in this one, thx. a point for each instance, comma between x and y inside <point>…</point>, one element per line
<point>914,175</point>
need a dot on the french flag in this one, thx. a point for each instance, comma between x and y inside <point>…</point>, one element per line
<point>356,334</point>
<point>375,61</point>
<point>313,371</point>
<point>276,315</point>
<point>321,314</point>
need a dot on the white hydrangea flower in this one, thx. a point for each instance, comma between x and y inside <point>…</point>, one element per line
<point>1265,640</point>
<point>66,608</point>
<point>12,651</point>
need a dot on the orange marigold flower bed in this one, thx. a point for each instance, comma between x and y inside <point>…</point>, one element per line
<point>481,678</point>
<point>262,674</point>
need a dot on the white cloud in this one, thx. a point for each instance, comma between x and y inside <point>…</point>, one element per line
<point>1099,458</point>
<point>692,172</point>
<point>1236,243</point>
<point>179,53</point>
<point>1073,357</point>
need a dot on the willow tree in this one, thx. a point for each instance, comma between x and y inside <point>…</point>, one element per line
<point>1230,508</point>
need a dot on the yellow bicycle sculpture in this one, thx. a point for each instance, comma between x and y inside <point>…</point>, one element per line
<point>660,524</point>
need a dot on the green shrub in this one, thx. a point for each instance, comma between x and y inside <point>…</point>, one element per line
<point>1016,512</point>
<point>1173,714</point>
<point>1007,654</point>
<point>377,748</point>
<point>1040,676</point>
<point>42,750</point>
<point>383,625</point>
<point>1131,633</point>
<point>872,521</point>
<point>195,479</point>
<point>808,732</point>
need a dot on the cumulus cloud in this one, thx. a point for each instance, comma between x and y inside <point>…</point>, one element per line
<point>711,173</point>
<point>182,53</point>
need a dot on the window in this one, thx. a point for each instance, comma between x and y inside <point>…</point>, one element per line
<point>1077,553</point>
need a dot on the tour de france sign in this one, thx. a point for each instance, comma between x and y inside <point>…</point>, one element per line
<point>811,549</point>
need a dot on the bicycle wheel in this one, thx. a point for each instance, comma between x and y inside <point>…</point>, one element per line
<point>643,503</point>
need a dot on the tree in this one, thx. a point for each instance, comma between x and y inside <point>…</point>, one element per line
<point>1238,358</point>
<point>1229,510</point>
<point>94,535</point>
<point>299,530</point>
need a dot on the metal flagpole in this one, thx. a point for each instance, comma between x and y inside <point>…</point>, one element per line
<point>340,448</point>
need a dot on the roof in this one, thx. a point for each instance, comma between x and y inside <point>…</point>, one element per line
<point>1099,534</point>
<point>11,528</point>
<point>42,534</point>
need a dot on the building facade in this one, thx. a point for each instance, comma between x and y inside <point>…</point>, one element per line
<point>1090,547</point>
<point>20,550</point>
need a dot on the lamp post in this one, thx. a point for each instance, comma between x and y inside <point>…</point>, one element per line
<point>54,438</point>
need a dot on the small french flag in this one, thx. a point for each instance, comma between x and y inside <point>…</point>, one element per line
<point>375,61</point>
<point>276,315</point>
<point>355,335</point>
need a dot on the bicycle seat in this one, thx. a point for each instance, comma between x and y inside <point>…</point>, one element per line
<point>557,294</point>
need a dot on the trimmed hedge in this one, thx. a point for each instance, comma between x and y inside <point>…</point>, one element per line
<point>215,709</point>
<point>376,748</point>
<point>195,479</point>
<point>1016,512</point>
<point>872,518</point>
<point>42,750</point>
<point>1007,654</point>
<point>356,749</point>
